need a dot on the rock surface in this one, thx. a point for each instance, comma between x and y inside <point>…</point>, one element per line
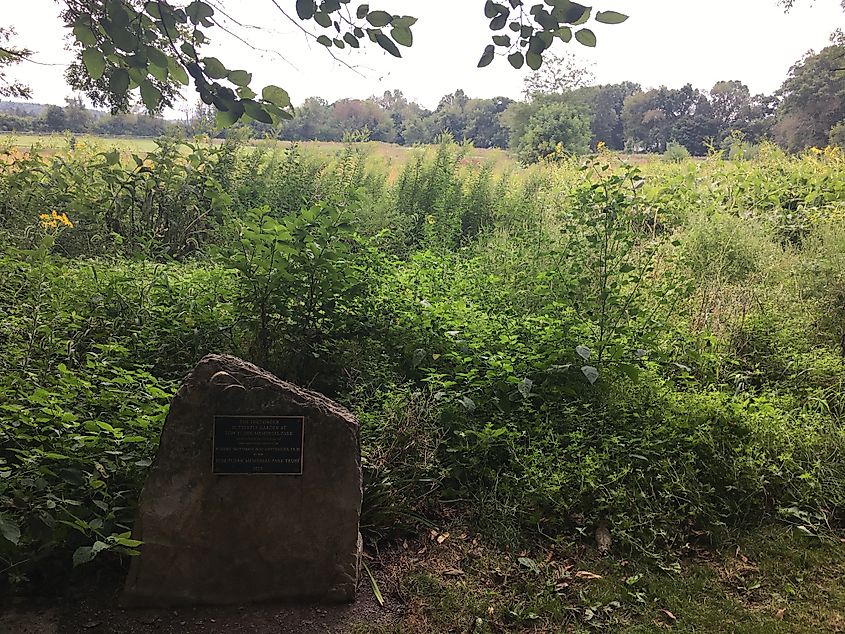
<point>230,539</point>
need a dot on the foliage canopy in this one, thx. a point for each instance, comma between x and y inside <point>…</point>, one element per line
<point>155,47</point>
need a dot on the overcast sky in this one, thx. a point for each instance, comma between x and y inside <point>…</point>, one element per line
<point>665,42</point>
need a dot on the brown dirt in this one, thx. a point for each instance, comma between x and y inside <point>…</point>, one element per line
<point>90,609</point>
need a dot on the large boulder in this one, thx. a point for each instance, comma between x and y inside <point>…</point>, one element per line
<point>218,532</point>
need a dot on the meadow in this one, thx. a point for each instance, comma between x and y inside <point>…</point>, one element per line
<point>537,355</point>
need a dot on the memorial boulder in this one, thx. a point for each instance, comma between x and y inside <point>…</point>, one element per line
<point>255,495</point>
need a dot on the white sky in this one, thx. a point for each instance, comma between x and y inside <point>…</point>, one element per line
<point>665,42</point>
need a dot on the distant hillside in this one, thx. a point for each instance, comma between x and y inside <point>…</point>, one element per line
<point>28,109</point>
<point>24,108</point>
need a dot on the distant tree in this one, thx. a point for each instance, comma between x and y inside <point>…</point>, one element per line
<point>735,110</point>
<point>56,119</point>
<point>559,74</point>
<point>401,111</point>
<point>419,130</point>
<point>451,116</point>
<point>314,121</point>
<point>77,116</point>
<point>114,125</point>
<point>646,123</point>
<point>15,123</point>
<point>607,104</point>
<point>359,115</point>
<point>539,128</point>
<point>202,119</point>
<point>730,101</point>
<point>812,99</point>
<point>652,119</point>
<point>484,126</point>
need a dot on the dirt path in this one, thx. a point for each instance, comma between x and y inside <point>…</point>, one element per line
<point>40,617</point>
<point>93,608</point>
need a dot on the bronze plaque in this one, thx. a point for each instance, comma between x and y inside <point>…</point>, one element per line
<point>269,445</point>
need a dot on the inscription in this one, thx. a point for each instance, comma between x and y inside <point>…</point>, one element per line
<point>258,444</point>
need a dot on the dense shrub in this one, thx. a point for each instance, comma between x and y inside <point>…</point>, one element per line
<point>543,350</point>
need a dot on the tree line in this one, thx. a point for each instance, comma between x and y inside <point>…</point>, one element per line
<point>558,113</point>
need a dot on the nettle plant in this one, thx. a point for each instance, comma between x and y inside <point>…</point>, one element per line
<point>614,251</point>
<point>295,270</point>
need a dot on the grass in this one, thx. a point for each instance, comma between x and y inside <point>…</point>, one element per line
<point>771,580</point>
<point>388,153</point>
<point>57,142</point>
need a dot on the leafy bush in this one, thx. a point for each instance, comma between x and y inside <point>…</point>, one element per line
<point>675,153</point>
<point>545,350</point>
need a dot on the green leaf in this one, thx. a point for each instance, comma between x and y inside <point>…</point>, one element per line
<point>362,11</point>
<point>387,44</point>
<point>83,555</point>
<point>402,35</point>
<point>94,62</point>
<point>119,81</point>
<point>379,18</point>
<point>586,37</point>
<point>487,56</point>
<point>150,95</point>
<point>9,529</point>
<point>214,68</point>
<point>305,9</point>
<point>323,19</point>
<point>225,118</point>
<point>610,17</point>
<point>245,92</point>
<point>275,95</point>
<point>156,57</point>
<point>198,11</point>
<point>177,71</point>
<point>351,40</point>
<point>564,33</point>
<point>576,13</point>
<point>516,59</point>
<point>325,40</point>
<point>404,20</point>
<point>255,111</point>
<point>124,40</point>
<point>499,22</point>
<point>240,77</point>
<point>502,40</point>
<point>118,17</point>
<point>158,72</point>
<point>84,35</point>
<point>277,113</point>
<point>374,584</point>
<point>534,60</point>
<point>591,373</point>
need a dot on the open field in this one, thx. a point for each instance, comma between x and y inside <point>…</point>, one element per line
<point>591,394</point>
<point>388,153</point>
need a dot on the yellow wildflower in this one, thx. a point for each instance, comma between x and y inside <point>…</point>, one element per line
<point>54,219</point>
<point>601,146</point>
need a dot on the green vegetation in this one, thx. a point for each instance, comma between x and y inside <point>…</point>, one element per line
<point>535,353</point>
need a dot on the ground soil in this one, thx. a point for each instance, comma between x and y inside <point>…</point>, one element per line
<point>92,607</point>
